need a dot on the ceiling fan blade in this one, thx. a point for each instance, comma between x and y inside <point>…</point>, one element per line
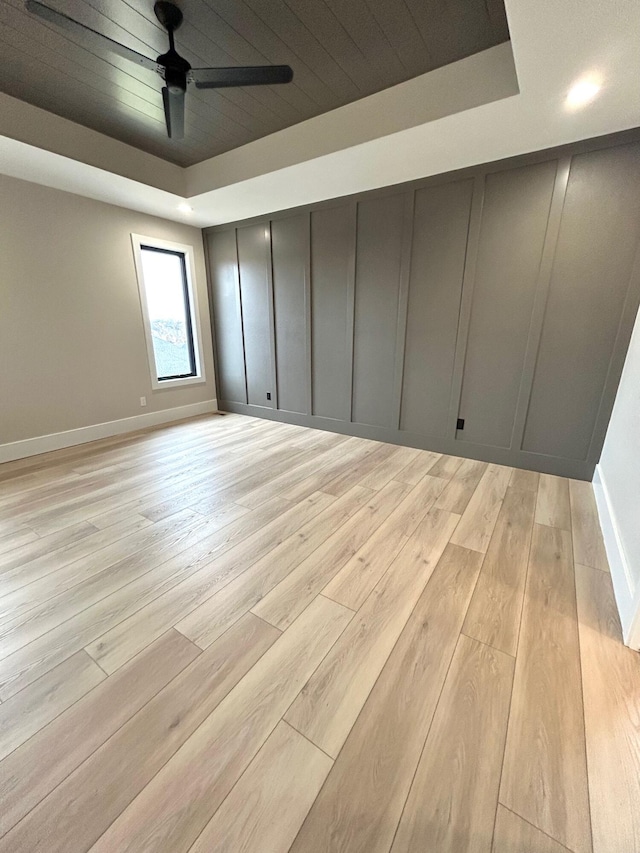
<point>255,75</point>
<point>89,36</point>
<point>174,112</point>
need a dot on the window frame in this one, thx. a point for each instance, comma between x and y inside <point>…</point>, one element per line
<point>139,243</point>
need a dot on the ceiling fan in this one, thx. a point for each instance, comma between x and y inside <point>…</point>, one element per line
<point>175,70</point>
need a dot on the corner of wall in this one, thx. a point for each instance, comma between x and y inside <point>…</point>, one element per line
<point>626,592</point>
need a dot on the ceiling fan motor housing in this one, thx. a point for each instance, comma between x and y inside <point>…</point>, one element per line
<point>175,71</point>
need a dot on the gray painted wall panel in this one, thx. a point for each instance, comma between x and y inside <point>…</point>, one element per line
<point>440,226</point>
<point>289,248</point>
<point>589,282</point>
<point>331,249</point>
<point>254,290</point>
<point>227,316</point>
<point>537,301</point>
<point>378,264</point>
<point>512,231</point>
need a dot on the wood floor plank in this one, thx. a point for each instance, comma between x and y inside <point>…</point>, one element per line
<point>118,515</point>
<point>361,573</point>
<point>446,467</point>
<point>327,708</point>
<point>287,480</point>
<point>354,474</point>
<point>212,618</point>
<point>179,477</point>
<point>33,770</point>
<point>357,578</point>
<point>28,663</point>
<point>89,500</point>
<point>289,598</point>
<point>453,799</point>
<point>546,723</point>
<point>118,645</point>
<point>259,475</point>
<point>521,479</point>
<point>141,488</point>
<point>394,464</point>
<point>31,709</point>
<point>552,507</point>
<point>45,545</point>
<point>22,536</point>
<point>84,547</point>
<point>103,571</point>
<point>266,808</point>
<point>68,487</point>
<point>494,613</point>
<point>418,468</point>
<point>515,835</point>
<point>611,683</point>
<point>348,458</point>
<point>171,812</point>
<point>479,518</point>
<point>126,762</point>
<point>461,487</point>
<point>361,802</point>
<point>588,544</point>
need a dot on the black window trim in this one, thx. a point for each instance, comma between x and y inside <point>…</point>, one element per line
<point>187,308</point>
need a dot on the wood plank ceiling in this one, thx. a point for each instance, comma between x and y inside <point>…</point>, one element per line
<point>340,50</point>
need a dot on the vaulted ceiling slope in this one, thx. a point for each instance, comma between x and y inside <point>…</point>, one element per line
<point>340,51</point>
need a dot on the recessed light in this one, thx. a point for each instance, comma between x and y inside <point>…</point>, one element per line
<point>183,207</point>
<point>582,92</point>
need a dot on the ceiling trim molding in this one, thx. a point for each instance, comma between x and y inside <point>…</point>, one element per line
<point>482,78</point>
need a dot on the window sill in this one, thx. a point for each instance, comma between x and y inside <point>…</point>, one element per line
<point>177,383</point>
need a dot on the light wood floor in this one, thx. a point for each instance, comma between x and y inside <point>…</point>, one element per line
<point>235,635</point>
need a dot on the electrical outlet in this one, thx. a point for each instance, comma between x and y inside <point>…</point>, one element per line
<point>143,401</point>
<point>268,395</point>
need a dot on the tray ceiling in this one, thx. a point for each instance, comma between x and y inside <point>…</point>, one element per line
<point>340,50</point>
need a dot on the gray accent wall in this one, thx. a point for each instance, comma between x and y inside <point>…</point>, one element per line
<point>504,295</point>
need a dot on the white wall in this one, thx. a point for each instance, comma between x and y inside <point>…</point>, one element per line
<point>72,345</point>
<point>617,487</point>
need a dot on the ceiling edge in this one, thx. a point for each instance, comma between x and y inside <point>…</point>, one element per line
<point>34,126</point>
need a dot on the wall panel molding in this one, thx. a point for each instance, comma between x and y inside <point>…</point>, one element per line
<point>540,303</point>
<point>351,297</point>
<point>468,280</point>
<point>403,304</point>
<point>272,320</point>
<point>307,314</point>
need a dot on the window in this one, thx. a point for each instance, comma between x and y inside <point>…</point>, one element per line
<point>169,309</point>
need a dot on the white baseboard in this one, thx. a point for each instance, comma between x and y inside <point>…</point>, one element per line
<point>626,593</point>
<point>82,435</point>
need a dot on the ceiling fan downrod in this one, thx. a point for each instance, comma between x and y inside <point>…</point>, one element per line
<point>175,67</point>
